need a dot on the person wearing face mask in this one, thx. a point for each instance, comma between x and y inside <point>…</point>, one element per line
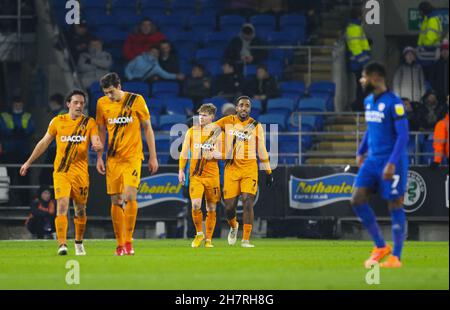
<point>409,80</point>
<point>40,222</point>
<point>94,63</point>
<point>17,127</point>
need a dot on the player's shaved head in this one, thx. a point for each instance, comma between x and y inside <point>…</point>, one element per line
<point>375,68</point>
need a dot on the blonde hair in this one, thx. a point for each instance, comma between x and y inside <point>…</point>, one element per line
<point>207,108</point>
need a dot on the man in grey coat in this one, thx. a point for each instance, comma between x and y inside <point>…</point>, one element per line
<point>94,64</point>
<point>409,80</point>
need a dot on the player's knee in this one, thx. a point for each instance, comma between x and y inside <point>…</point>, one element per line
<point>358,200</point>
<point>196,205</point>
<point>62,206</point>
<point>395,205</point>
<point>80,210</point>
<point>211,207</point>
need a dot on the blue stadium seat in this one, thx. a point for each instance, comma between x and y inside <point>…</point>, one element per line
<point>256,108</point>
<point>206,54</point>
<point>231,21</point>
<point>90,14</point>
<point>101,20</point>
<point>171,20</point>
<point>185,67</point>
<point>262,32</point>
<point>275,68</point>
<point>185,51</point>
<point>179,105</point>
<point>322,87</point>
<point>165,89</point>
<point>279,119</point>
<point>187,8</point>
<point>263,20</point>
<point>95,88</point>
<point>163,143</point>
<point>127,21</point>
<point>217,40</point>
<point>111,36</point>
<point>167,121</point>
<point>157,105</point>
<point>280,106</point>
<point>155,15</point>
<point>202,23</point>
<point>120,4</point>
<point>217,101</point>
<point>427,147</point>
<point>292,20</point>
<point>309,122</point>
<point>140,88</point>
<point>249,70</point>
<point>312,104</point>
<point>292,89</point>
<point>85,4</point>
<point>281,38</point>
<point>154,4</point>
<point>214,67</point>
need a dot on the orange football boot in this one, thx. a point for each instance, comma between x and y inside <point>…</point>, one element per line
<point>377,255</point>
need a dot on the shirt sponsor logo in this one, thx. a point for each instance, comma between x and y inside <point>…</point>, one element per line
<point>241,136</point>
<point>120,120</point>
<point>374,116</point>
<point>76,139</point>
<point>204,146</point>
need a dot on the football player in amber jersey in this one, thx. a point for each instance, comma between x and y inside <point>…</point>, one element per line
<point>73,133</point>
<point>243,140</point>
<point>204,174</point>
<point>122,114</point>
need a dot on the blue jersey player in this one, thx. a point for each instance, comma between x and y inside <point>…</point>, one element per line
<point>386,166</point>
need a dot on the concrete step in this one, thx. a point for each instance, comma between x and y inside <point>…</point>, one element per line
<point>338,146</point>
<point>343,127</point>
<point>346,119</point>
<point>330,161</point>
<point>327,32</point>
<point>320,67</point>
<point>337,137</point>
<point>327,40</point>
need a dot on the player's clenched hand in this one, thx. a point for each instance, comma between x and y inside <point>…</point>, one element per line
<point>359,160</point>
<point>101,166</point>
<point>24,169</point>
<point>153,165</point>
<point>97,146</point>
<point>269,180</point>
<point>181,177</point>
<point>389,171</point>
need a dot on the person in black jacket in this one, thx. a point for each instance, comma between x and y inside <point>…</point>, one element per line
<point>262,87</point>
<point>239,49</point>
<point>439,74</point>
<point>168,59</point>
<point>230,83</point>
<point>41,220</point>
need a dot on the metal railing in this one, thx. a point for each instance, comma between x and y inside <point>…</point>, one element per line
<point>7,41</point>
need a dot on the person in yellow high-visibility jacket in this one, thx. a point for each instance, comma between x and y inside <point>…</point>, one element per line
<point>358,52</point>
<point>430,35</point>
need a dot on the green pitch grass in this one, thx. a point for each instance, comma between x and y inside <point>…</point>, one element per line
<point>172,264</point>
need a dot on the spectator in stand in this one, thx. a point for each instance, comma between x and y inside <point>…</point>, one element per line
<point>358,53</point>
<point>441,142</point>
<point>262,87</point>
<point>168,59</point>
<point>94,63</point>
<point>197,86</point>
<point>409,80</point>
<point>146,67</point>
<point>429,38</point>
<point>239,49</point>
<point>275,7</point>
<point>229,84</point>
<point>16,128</point>
<point>411,110</point>
<point>78,39</point>
<point>430,111</point>
<point>439,73</point>
<point>228,109</point>
<point>40,222</point>
<point>141,41</point>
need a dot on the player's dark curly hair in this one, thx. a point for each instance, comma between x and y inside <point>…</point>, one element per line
<point>110,79</point>
<point>76,92</point>
<point>236,101</point>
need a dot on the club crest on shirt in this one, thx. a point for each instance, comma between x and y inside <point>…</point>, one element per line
<point>381,107</point>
